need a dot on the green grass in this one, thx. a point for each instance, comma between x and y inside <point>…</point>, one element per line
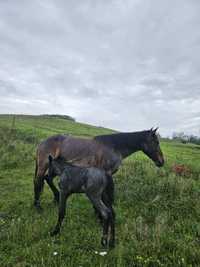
<point>158,212</point>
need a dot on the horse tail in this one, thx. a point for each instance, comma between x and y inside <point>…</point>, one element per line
<point>36,169</point>
<point>110,188</point>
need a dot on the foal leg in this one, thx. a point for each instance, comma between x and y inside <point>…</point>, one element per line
<point>53,188</point>
<point>38,187</point>
<point>105,213</point>
<point>61,212</point>
<point>108,194</point>
<point>108,202</point>
<point>112,229</point>
<point>98,215</point>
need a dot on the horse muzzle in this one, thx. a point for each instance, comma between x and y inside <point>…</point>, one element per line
<point>159,163</point>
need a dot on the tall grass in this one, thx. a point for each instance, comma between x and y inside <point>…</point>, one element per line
<point>158,211</point>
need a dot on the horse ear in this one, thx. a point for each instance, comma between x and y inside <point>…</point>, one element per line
<point>155,130</point>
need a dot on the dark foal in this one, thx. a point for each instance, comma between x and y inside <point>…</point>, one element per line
<point>91,181</point>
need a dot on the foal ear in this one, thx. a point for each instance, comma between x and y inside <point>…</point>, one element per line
<point>50,158</point>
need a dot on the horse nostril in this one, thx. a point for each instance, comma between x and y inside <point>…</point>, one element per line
<point>162,162</point>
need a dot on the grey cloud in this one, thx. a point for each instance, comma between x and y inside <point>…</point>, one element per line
<point>127,65</point>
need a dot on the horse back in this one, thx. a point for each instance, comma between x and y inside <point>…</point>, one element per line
<point>80,151</point>
<point>90,153</point>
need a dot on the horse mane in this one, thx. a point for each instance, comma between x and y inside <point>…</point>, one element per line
<point>128,141</point>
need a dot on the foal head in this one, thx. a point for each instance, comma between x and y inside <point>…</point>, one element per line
<point>151,147</point>
<point>56,166</point>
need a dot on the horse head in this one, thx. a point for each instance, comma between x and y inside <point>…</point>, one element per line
<point>151,147</point>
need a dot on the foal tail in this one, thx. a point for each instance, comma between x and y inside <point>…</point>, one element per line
<point>109,190</point>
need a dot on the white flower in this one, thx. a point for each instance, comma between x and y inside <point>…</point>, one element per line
<point>103,253</point>
<point>55,253</point>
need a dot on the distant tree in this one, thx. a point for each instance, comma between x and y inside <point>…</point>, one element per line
<point>194,139</point>
<point>178,135</point>
<point>183,138</point>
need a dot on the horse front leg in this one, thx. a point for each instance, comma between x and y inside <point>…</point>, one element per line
<point>38,187</point>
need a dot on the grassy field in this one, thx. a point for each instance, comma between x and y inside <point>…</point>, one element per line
<point>158,210</point>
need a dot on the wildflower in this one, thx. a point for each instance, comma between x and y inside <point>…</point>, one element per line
<point>139,258</point>
<point>55,253</point>
<point>103,253</point>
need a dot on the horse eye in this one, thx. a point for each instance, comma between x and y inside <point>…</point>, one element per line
<point>157,142</point>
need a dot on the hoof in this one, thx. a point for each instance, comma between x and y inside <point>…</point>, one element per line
<point>104,242</point>
<point>54,232</point>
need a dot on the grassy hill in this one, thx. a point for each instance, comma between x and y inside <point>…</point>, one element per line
<point>158,210</point>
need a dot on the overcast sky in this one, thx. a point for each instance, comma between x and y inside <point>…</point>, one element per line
<point>127,65</point>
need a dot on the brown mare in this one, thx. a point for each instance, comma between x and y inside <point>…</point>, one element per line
<point>104,152</point>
